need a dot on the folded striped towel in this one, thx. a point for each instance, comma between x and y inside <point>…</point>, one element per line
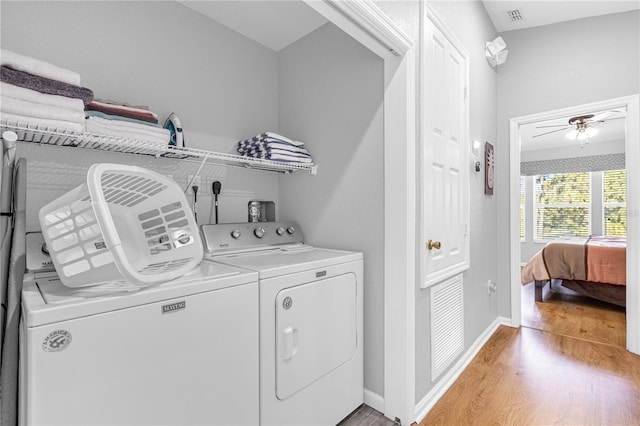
<point>261,144</point>
<point>253,152</point>
<point>272,146</point>
<point>273,135</point>
<point>282,158</point>
<point>37,67</point>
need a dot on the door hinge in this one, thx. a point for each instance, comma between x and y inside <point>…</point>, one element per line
<point>397,422</point>
<point>465,92</point>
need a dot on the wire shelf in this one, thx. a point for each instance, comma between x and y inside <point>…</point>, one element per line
<point>54,136</point>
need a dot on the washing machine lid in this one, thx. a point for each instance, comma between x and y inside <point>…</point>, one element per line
<point>46,300</point>
<point>287,259</point>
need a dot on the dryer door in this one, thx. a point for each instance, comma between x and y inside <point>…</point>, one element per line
<point>315,331</point>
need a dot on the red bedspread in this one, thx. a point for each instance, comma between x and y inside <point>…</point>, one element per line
<point>595,259</point>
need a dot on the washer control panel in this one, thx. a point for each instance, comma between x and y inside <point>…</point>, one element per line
<point>243,236</point>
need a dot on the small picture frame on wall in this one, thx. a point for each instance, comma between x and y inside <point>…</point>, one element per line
<point>489,171</point>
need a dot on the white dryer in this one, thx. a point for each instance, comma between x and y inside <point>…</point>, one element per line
<point>183,352</point>
<point>311,320</point>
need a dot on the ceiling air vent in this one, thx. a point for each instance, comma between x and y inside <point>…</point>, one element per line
<point>514,15</point>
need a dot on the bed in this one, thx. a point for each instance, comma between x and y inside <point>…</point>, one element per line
<point>594,266</point>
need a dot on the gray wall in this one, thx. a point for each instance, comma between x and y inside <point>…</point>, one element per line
<point>552,67</point>
<point>470,23</point>
<point>326,90</point>
<point>156,53</point>
<point>331,97</point>
<point>168,57</point>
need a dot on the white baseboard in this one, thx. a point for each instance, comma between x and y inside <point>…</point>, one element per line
<point>433,396</point>
<point>374,400</point>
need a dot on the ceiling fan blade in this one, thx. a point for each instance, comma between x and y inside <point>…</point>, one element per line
<point>553,131</point>
<point>553,125</point>
<point>597,123</point>
<point>603,115</point>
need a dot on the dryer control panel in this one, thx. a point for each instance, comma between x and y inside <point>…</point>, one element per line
<point>222,238</point>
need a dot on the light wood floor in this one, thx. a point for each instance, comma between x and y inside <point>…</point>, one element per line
<point>568,313</point>
<point>566,365</point>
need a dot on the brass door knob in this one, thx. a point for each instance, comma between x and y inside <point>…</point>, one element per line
<point>433,244</point>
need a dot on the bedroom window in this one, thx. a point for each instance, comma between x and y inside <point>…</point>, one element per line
<point>614,202</point>
<point>562,205</point>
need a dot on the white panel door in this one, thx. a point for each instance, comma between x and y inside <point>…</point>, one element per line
<point>445,148</point>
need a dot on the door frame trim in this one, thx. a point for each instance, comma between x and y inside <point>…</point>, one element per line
<point>632,152</point>
<point>365,22</point>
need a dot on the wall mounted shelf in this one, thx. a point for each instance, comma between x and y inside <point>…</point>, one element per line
<point>60,137</point>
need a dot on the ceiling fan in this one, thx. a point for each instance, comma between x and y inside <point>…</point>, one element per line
<point>582,126</point>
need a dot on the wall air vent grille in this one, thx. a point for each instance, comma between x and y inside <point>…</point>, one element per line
<point>447,324</point>
<point>514,15</point>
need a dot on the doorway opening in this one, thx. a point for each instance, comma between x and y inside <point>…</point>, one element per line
<point>630,106</point>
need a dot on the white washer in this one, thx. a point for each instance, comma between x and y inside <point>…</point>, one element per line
<point>183,352</point>
<point>311,320</point>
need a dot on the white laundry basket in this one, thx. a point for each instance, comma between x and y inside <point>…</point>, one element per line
<point>125,223</point>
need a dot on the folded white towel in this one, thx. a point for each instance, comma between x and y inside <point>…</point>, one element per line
<point>37,67</point>
<point>42,122</point>
<point>124,129</point>
<point>16,92</point>
<point>38,110</point>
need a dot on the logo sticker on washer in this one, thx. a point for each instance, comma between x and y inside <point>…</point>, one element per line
<point>56,341</point>
<point>173,307</point>
<point>287,302</point>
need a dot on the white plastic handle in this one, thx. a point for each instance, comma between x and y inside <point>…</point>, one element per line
<point>290,348</point>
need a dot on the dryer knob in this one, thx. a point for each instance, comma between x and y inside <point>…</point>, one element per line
<point>259,232</point>
<point>280,231</point>
<point>291,230</point>
<point>236,234</point>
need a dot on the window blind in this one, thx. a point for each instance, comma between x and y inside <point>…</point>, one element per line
<point>595,163</point>
<point>562,205</point>
<point>614,201</point>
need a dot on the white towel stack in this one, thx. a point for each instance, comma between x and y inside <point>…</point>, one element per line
<point>127,130</point>
<point>22,105</point>
<point>272,146</point>
<point>119,119</point>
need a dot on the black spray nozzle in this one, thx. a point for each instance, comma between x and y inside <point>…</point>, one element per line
<point>217,186</point>
<point>195,192</point>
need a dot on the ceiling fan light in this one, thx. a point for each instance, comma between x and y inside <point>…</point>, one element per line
<point>572,134</point>
<point>583,136</point>
<point>591,131</point>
